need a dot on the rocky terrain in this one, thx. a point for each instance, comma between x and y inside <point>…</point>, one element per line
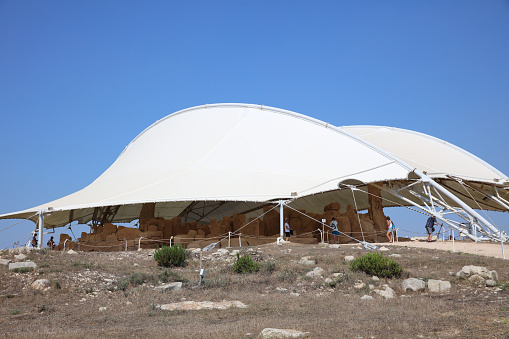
<point>304,288</point>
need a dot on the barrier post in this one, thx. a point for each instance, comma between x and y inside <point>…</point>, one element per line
<point>229,234</point>
<point>171,240</point>
<point>125,244</point>
<point>323,228</point>
<point>502,243</point>
<point>240,243</point>
<point>139,243</point>
<point>452,240</point>
<point>64,244</point>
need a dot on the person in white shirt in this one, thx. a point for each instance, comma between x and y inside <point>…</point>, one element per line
<point>335,231</point>
<point>287,229</point>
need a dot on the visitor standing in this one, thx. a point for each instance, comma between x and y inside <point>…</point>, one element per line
<point>287,229</point>
<point>390,229</point>
<point>430,226</point>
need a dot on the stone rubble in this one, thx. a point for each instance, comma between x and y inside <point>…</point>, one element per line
<point>201,305</point>
<point>438,286</point>
<point>274,333</point>
<point>413,284</point>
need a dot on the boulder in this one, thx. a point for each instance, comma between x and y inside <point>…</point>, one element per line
<point>470,270</point>
<point>491,283</point>
<point>345,229</point>
<point>413,284</point>
<point>5,261</point>
<point>71,252</point>
<point>316,272</point>
<point>351,213</point>
<point>349,258</point>
<point>476,279</point>
<point>20,257</point>
<point>438,286</point>
<point>283,333</point>
<point>201,305</point>
<point>111,237</point>
<point>388,293</point>
<point>174,286</point>
<point>493,275</point>
<point>41,284</point>
<point>15,265</point>
<point>367,297</point>
<point>152,228</point>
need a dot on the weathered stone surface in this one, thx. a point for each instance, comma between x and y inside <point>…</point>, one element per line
<point>152,228</point>
<point>476,279</point>
<point>413,284</point>
<point>493,275</point>
<point>323,244</point>
<point>349,258</point>
<point>111,237</point>
<point>383,248</point>
<point>109,228</point>
<point>201,305</point>
<point>333,206</point>
<point>351,213</point>
<point>368,227</point>
<point>359,285</point>
<point>129,233</point>
<point>174,286</point>
<point>147,211</point>
<point>41,284</point>
<point>438,286</point>
<point>4,261</point>
<point>388,293</point>
<point>316,272</point>
<point>14,265</point>
<point>20,250</point>
<point>103,309</point>
<point>367,297</point>
<point>20,257</point>
<point>71,252</point>
<point>334,246</point>
<point>395,255</point>
<point>376,212</point>
<point>344,227</point>
<point>470,270</point>
<point>274,333</point>
<point>491,283</point>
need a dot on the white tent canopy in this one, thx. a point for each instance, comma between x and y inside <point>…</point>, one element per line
<point>228,158</point>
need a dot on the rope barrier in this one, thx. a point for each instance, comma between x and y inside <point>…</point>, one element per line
<point>3,229</point>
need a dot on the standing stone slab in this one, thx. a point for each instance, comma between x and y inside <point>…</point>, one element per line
<point>175,286</point>
<point>14,265</point>
<point>438,286</point>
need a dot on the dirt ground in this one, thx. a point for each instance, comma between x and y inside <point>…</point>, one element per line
<point>99,294</point>
<point>481,248</point>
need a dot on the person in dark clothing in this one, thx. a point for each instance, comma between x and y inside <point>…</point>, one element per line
<point>430,226</point>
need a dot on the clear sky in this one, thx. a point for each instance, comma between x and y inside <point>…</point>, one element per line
<point>80,79</point>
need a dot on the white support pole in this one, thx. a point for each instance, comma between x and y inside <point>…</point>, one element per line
<point>41,226</point>
<point>171,238</point>
<point>139,243</point>
<point>125,244</point>
<point>229,235</point>
<point>464,206</point>
<point>64,244</point>
<point>281,219</point>
<point>323,229</point>
<point>240,243</point>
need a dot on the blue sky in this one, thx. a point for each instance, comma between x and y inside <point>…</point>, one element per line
<point>80,79</point>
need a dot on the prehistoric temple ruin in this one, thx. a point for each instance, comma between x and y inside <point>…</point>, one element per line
<point>157,231</point>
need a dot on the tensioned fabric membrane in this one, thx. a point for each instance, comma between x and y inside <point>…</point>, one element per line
<point>226,158</point>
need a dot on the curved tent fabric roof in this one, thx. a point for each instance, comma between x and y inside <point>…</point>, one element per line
<point>226,152</point>
<point>436,157</point>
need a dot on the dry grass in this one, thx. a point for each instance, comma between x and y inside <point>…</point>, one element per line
<point>88,281</point>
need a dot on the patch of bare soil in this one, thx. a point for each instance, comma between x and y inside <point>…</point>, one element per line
<point>112,294</point>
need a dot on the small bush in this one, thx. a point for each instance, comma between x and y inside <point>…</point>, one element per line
<point>23,269</point>
<point>56,285</point>
<point>15,312</point>
<point>245,264</point>
<point>170,276</point>
<point>376,264</point>
<point>268,267</point>
<point>174,256</point>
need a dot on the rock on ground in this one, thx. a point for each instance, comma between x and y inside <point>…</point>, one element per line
<point>14,265</point>
<point>349,258</point>
<point>476,279</point>
<point>491,283</point>
<point>413,284</point>
<point>71,252</point>
<point>282,333</point>
<point>4,261</point>
<point>388,293</point>
<point>201,305</point>
<point>334,246</point>
<point>41,284</point>
<point>318,271</point>
<point>307,261</point>
<point>20,257</point>
<point>471,270</point>
<point>174,286</point>
<point>438,286</point>
<point>367,297</point>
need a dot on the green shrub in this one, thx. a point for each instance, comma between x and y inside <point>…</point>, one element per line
<point>244,264</point>
<point>376,264</point>
<point>174,256</point>
<point>15,312</point>
<point>170,276</point>
<point>268,267</point>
